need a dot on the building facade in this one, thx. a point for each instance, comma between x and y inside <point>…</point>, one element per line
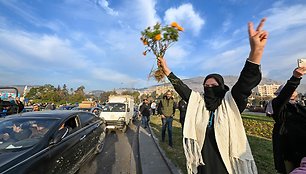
<point>267,90</point>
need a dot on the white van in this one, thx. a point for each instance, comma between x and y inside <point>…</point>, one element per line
<point>118,112</point>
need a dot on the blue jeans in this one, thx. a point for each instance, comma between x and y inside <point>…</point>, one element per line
<point>167,123</point>
<point>144,121</point>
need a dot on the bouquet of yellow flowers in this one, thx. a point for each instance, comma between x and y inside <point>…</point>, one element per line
<point>158,39</point>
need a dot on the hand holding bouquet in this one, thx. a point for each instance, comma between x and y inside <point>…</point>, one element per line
<point>158,39</point>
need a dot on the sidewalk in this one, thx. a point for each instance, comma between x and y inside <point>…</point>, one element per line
<point>152,160</point>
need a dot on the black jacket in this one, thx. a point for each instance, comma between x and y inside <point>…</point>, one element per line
<point>289,131</point>
<point>145,109</point>
<point>182,106</point>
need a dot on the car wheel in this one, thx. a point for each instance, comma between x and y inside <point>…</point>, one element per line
<point>100,144</point>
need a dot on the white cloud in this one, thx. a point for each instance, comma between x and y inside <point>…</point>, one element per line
<point>176,55</point>
<point>218,43</point>
<point>93,48</point>
<point>105,5</point>
<point>228,62</point>
<point>48,54</point>
<point>25,11</point>
<point>282,18</point>
<point>226,24</point>
<point>146,9</point>
<point>186,17</point>
<point>286,42</point>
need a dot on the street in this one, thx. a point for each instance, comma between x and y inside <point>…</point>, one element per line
<point>120,154</point>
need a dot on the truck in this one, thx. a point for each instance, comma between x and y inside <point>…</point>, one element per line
<point>118,112</point>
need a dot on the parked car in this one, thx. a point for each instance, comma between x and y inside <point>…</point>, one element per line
<point>94,110</point>
<point>49,141</point>
<point>27,109</point>
<point>68,107</point>
<point>256,109</point>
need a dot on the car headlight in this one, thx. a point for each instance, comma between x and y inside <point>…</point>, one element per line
<point>121,119</point>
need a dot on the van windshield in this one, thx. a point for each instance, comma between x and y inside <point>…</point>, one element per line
<point>114,107</point>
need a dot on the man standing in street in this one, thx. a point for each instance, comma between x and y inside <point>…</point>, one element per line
<point>145,112</point>
<point>166,109</point>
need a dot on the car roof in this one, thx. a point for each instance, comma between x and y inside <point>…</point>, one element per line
<point>59,114</point>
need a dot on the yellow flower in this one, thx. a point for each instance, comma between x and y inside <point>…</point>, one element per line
<point>179,28</point>
<point>157,37</point>
<point>174,24</point>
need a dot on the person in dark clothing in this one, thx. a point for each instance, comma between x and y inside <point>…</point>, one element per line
<point>289,131</point>
<point>166,108</point>
<point>182,106</point>
<point>214,96</point>
<point>145,112</point>
<point>7,109</point>
<point>19,104</point>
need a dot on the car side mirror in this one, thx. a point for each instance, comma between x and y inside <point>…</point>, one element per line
<point>128,109</point>
<point>60,135</point>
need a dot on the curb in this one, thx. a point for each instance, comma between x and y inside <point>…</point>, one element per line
<point>171,166</point>
<point>139,167</point>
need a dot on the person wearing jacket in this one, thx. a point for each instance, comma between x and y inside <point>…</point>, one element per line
<point>145,112</point>
<point>19,104</point>
<point>214,138</point>
<point>182,106</point>
<point>289,131</point>
<point>166,109</point>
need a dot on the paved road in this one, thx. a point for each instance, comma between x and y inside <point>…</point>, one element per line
<point>120,154</point>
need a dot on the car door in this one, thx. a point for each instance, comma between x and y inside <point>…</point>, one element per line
<point>90,125</point>
<point>66,154</point>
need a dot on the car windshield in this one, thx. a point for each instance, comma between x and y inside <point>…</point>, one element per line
<point>114,107</point>
<point>23,133</point>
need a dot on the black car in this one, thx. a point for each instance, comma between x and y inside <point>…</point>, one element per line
<point>49,142</point>
<point>94,110</point>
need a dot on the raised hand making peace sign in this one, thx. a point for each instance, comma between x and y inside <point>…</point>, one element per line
<point>258,40</point>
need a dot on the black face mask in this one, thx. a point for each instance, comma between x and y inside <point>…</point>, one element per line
<point>213,97</point>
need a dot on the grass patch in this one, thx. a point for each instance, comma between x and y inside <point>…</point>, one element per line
<point>257,117</point>
<point>258,129</point>
<point>262,153</point>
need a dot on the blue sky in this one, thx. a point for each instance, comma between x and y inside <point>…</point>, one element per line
<point>96,43</point>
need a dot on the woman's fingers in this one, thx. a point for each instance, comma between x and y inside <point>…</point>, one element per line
<point>261,24</point>
<point>251,29</point>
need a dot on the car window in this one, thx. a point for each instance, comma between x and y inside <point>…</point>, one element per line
<point>86,118</point>
<point>23,133</point>
<point>72,124</point>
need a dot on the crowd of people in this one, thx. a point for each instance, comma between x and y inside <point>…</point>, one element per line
<point>15,106</point>
<point>165,108</point>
